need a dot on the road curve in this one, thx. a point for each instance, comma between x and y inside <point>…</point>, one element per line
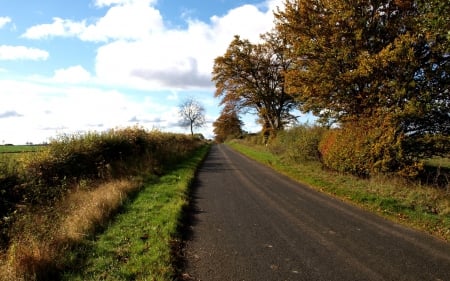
<point>251,223</point>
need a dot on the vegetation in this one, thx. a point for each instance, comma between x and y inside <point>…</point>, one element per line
<point>139,243</point>
<point>228,125</point>
<point>19,148</point>
<point>64,193</point>
<point>375,71</point>
<point>380,69</point>
<point>422,206</point>
<point>192,114</point>
<point>251,77</point>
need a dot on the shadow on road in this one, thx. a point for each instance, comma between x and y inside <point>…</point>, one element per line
<point>189,219</point>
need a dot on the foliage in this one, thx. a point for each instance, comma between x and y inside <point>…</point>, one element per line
<point>372,63</point>
<point>251,77</point>
<point>364,151</point>
<point>227,125</point>
<point>298,144</point>
<point>46,176</point>
<point>192,114</point>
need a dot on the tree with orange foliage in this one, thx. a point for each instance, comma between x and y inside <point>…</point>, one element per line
<point>378,65</point>
<point>250,77</point>
<point>228,125</point>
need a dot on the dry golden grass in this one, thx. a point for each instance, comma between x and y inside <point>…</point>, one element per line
<point>88,209</point>
<point>39,251</point>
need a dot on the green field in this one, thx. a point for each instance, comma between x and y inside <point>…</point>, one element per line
<point>439,162</point>
<point>19,148</point>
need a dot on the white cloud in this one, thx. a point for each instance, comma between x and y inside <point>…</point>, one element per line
<point>70,109</point>
<point>130,21</point>
<point>59,27</point>
<point>22,53</point>
<point>179,58</point>
<point>141,52</point>
<point>127,22</point>
<point>107,3</point>
<point>4,21</point>
<point>72,75</point>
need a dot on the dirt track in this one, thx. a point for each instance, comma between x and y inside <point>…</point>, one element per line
<point>250,223</point>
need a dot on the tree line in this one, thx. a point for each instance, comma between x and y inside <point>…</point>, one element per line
<point>375,72</point>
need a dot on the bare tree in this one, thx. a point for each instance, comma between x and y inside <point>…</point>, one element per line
<point>192,114</point>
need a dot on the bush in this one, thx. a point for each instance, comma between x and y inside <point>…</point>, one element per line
<point>363,148</point>
<point>298,144</point>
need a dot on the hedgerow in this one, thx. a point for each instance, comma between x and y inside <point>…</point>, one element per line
<point>70,161</point>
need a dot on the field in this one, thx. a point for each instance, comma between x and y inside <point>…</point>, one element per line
<point>439,162</point>
<point>19,148</point>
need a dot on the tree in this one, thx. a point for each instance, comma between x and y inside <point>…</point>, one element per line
<point>228,125</point>
<point>251,77</point>
<point>347,53</point>
<point>192,114</point>
<point>372,63</point>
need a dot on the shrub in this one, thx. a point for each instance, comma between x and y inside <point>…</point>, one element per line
<point>365,148</point>
<point>298,144</point>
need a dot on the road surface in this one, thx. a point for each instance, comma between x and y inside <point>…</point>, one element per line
<point>250,223</point>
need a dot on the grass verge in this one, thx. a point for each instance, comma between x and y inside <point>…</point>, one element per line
<point>420,207</point>
<point>138,244</point>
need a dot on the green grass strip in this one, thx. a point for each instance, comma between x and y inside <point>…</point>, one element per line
<point>20,148</point>
<point>423,208</point>
<point>138,243</point>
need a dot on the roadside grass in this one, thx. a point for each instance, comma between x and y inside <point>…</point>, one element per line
<point>422,207</point>
<point>45,237</point>
<point>139,243</point>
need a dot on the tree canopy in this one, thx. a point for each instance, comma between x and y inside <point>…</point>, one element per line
<point>228,125</point>
<point>251,77</point>
<point>372,63</point>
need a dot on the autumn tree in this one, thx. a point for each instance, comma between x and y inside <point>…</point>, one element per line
<point>227,125</point>
<point>192,114</point>
<point>369,64</point>
<point>430,129</point>
<point>250,77</point>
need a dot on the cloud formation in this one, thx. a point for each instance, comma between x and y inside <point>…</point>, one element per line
<point>58,28</point>
<point>72,75</point>
<point>22,53</point>
<point>138,50</point>
<point>4,21</point>
<point>9,114</point>
<point>132,20</point>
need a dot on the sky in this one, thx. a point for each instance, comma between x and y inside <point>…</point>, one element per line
<point>68,67</point>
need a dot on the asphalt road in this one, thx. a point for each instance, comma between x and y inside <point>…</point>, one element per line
<point>250,223</point>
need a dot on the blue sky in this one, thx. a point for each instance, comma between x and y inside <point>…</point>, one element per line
<point>92,65</point>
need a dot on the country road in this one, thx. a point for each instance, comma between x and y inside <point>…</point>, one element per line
<point>250,223</point>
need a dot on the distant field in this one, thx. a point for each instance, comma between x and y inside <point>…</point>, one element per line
<point>439,162</point>
<point>19,148</point>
